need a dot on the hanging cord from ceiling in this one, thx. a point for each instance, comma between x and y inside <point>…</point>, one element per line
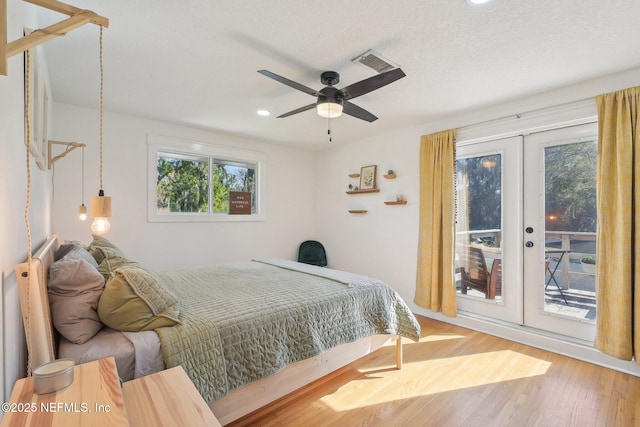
<point>83,208</point>
<point>101,105</point>
<point>27,143</point>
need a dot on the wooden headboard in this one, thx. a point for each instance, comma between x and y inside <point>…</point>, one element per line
<point>34,302</point>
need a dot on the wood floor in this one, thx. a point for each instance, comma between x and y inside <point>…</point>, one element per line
<point>458,377</point>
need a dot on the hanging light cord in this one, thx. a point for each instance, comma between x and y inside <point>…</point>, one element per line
<point>82,195</point>
<point>27,140</point>
<point>101,106</point>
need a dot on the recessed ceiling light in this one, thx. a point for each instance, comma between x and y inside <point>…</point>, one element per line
<point>476,2</point>
<point>263,113</point>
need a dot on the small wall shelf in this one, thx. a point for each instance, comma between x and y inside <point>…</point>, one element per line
<point>390,176</point>
<point>401,202</point>
<point>358,211</point>
<point>354,175</point>
<point>370,190</point>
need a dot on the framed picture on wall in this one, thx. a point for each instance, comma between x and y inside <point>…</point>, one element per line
<point>37,99</point>
<point>368,177</point>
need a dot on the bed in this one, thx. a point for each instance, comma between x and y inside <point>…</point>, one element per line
<point>247,333</point>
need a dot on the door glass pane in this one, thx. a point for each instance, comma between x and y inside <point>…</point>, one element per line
<point>479,227</point>
<point>570,234</point>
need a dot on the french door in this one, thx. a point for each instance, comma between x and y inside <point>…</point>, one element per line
<point>525,221</point>
<point>559,231</point>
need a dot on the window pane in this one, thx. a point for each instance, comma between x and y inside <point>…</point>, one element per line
<point>570,235</point>
<point>479,226</point>
<point>232,176</point>
<point>183,184</point>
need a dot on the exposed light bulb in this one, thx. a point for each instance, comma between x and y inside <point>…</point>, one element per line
<point>100,226</point>
<point>82,212</point>
<point>101,212</point>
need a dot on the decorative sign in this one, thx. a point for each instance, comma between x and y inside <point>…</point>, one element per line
<point>239,203</point>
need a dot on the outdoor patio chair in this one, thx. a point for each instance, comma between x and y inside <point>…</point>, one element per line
<point>474,273</point>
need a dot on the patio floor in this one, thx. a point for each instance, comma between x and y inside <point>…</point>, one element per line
<point>580,303</point>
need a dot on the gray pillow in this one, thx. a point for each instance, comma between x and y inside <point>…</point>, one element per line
<point>75,287</point>
<point>81,253</point>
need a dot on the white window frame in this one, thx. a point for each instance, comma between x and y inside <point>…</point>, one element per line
<point>166,145</point>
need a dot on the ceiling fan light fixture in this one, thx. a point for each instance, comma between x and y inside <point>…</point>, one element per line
<point>328,109</point>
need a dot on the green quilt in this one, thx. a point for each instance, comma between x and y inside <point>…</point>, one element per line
<point>241,322</point>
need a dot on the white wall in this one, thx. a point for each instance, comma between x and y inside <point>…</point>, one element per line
<point>13,183</point>
<point>381,243</point>
<point>289,196</point>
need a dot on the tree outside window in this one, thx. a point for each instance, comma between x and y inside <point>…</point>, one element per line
<point>192,184</point>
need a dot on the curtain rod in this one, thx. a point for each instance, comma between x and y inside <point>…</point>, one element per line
<point>519,115</point>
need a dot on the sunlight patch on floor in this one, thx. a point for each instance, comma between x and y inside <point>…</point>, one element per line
<point>428,338</point>
<point>447,374</point>
<point>441,337</point>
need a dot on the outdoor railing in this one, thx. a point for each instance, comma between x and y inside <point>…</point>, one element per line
<point>568,242</point>
<point>576,245</point>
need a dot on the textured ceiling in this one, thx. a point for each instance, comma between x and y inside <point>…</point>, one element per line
<point>195,62</point>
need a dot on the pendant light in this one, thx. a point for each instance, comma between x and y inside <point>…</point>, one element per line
<point>101,204</point>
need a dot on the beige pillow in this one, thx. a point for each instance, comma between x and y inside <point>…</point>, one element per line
<point>74,290</point>
<point>98,244</point>
<point>133,300</point>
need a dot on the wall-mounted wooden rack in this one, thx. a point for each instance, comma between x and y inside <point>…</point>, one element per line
<point>401,202</point>
<point>390,176</point>
<point>358,211</point>
<point>77,18</point>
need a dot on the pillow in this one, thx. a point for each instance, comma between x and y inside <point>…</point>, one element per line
<point>133,300</point>
<point>111,261</point>
<point>97,246</point>
<point>64,248</point>
<point>74,290</point>
<point>74,250</point>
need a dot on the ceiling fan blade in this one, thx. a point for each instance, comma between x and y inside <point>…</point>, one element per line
<point>358,112</point>
<point>299,110</point>
<point>371,84</point>
<point>289,83</point>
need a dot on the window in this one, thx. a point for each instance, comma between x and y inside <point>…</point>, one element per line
<point>192,181</point>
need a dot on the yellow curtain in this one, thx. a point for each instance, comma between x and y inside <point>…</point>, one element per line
<point>618,231</point>
<point>435,281</point>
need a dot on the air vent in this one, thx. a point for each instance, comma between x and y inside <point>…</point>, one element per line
<point>376,61</point>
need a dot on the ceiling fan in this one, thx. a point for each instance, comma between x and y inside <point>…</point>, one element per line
<point>332,102</point>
